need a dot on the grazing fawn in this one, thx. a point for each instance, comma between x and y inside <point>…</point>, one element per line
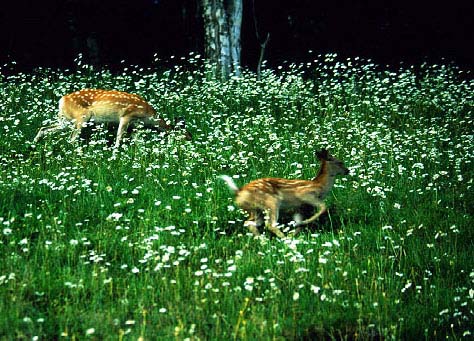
<point>107,106</point>
<point>270,195</point>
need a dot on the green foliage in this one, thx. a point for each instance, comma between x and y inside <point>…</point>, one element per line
<point>145,241</point>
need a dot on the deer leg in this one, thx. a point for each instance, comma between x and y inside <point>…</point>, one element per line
<point>77,130</point>
<point>297,218</point>
<point>260,219</point>
<point>272,221</point>
<point>49,129</point>
<point>322,209</point>
<point>252,222</point>
<point>124,121</point>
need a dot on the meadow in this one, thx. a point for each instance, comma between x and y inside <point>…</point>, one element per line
<point>145,242</point>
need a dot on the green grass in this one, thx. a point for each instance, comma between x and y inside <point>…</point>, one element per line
<point>146,242</point>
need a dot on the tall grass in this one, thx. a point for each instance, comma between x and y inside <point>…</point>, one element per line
<point>146,243</point>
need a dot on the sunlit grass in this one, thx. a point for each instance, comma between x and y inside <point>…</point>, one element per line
<point>146,242</point>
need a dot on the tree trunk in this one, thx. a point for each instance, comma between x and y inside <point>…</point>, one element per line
<point>222,24</point>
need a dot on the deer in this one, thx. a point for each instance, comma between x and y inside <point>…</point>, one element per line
<point>270,195</point>
<point>100,105</point>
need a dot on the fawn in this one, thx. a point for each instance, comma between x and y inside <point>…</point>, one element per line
<point>107,106</point>
<point>270,195</point>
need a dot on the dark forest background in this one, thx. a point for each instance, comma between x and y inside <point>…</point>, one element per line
<point>53,32</point>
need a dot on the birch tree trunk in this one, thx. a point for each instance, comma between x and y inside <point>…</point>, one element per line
<point>222,25</point>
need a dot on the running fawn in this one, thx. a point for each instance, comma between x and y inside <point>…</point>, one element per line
<point>107,106</point>
<point>270,195</point>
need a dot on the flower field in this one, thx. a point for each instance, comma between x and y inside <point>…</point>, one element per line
<point>145,242</point>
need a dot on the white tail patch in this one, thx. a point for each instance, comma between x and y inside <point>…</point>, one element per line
<point>230,182</point>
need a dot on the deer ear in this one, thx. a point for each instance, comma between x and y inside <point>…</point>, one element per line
<point>322,154</point>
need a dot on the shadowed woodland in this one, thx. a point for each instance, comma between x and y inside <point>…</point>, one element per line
<point>53,33</point>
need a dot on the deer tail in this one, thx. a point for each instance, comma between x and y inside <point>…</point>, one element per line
<point>230,182</point>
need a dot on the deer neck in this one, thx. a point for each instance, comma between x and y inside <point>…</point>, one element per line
<point>324,179</point>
